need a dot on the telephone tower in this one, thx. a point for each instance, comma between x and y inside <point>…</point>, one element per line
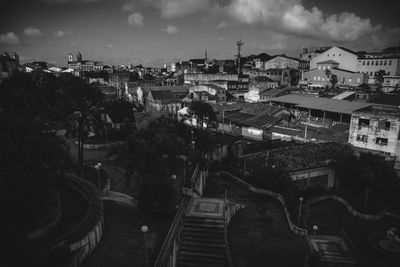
<point>239,46</point>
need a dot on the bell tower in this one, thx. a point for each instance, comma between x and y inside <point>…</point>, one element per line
<point>70,57</point>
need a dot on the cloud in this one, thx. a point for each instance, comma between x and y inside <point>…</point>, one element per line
<point>136,19</point>
<point>59,33</point>
<point>9,38</point>
<point>33,32</point>
<point>170,29</point>
<point>222,25</point>
<point>110,46</point>
<point>128,7</point>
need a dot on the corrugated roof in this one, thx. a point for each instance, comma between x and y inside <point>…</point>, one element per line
<point>324,104</point>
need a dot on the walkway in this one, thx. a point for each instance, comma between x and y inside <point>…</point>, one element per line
<point>120,198</point>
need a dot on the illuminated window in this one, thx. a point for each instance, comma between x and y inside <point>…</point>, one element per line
<point>381,141</point>
<point>362,138</point>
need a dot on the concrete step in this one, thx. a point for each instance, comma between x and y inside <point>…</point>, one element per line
<point>203,235</point>
<point>204,240</point>
<point>204,219</point>
<point>204,249</point>
<point>202,254</point>
<point>202,243</point>
<point>203,229</point>
<point>204,224</point>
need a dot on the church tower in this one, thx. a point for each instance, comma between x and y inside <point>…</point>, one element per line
<point>70,57</point>
<point>79,57</point>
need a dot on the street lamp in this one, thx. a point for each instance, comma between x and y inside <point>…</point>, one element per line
<point>367,190</point>
<point>98,167</point>
<point>144,230</point>
<point>315,228</point>
<point>300,202</point>
<point>194,148</point>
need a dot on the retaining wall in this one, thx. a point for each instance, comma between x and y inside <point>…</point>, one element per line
<point>85,236</point>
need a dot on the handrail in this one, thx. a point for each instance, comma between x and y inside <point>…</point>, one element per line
<point>173,231</point>
<point>225,219</point>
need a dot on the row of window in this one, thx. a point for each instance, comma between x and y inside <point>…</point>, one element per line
<point>382,124</point>
<point>334,55</point>
<point>324,67</point>
<point>378,141</point>
<point>344,79</point>
<point>376,62</point>
<point>372,73</point>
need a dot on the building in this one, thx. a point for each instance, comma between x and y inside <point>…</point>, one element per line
<point>371,66</point>
<point>309,165</point>
<point>258,85</point>
<point>345,58</point>
<point>391,83</point>
<point>269,94</point>
<point>376,128</point>
<point>8,65</point>
<point>282,62</point>
<point>320,76</point>
<point>309,53</point>
<point>211,89</point>
<point>79,64</point>
<point>163,101</point>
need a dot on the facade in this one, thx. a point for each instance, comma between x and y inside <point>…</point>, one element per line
<point>391,83</point>
<point>282,62</point>
<point>371,66</point>
<point>308,53</point>
<point>79,64</point>
<point>319,77</point>
<point>218,92</point>
<point>163,101</point>
<point>376,128</point>
<point>346,59</point>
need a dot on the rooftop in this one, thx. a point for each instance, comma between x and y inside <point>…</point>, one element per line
<point>318,103</point>
<point>328,62</point>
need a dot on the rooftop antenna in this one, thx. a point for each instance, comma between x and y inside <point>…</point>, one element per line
<point>239,46</point>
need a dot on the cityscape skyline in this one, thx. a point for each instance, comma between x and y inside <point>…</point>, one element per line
<point>155,32</point>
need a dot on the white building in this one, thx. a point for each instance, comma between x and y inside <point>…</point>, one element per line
<point>391,83</point>
<point>346,59</point>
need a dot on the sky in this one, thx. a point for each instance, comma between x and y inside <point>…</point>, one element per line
<point>153,32</point>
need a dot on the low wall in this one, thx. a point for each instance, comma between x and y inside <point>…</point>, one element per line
<point>294,228</point>
<point>51,220</point>
<point>337,198</point>
<point>86,235</point>
<point>100,146</point>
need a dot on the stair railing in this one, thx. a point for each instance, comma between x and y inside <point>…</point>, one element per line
<point>169,251</point>
<point>225,219</point>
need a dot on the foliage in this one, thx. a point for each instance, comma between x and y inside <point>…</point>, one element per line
<point>203,112</point>
<point>379,76</point>
<point>334,80</point>
<point>151,156</point>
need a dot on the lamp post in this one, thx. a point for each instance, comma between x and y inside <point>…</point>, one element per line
<point>300,202</point>
<point>367,190</point>
<point>98,167</point>
<point>194,147</point>
<point>315,228</point>
<point>144,230</point>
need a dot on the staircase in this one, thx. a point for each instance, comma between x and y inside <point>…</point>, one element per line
<point>203,242</point>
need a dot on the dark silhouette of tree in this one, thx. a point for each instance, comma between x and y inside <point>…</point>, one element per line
<point>82,116</point>
<point>203,112</point>
<point>379,76</point>
<point>334,81</point>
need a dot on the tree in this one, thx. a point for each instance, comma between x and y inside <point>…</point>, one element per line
<point>334,81</point>
<point>203,112</point>
<point>379,76</point>
<point>152,156</point>
<point>80,100</point>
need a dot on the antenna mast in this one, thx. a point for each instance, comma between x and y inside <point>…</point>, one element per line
<point>239,47</point>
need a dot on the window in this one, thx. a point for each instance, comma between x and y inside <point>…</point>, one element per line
<point>363,122</point>
<point>371,73</point>
<point>388,73</point>
<point>380,63</point>
<point>315,78</point>
<point>319,67</point>
<point>328,55</point>
<point>323,79</point>
<point>328,67</point>
<point>362,138</point>
<point>363,63</point>
<point>390,62</point>
<point>384,125</point>
<point>323,67</point>
<point>377,63</point>
<point>340,55</point>
<point>319,78</point>
<point>358,80</point>
<point>333,55</point>
<point>384,62</point>
<point>372,63</point>
<point>367,63</point>
<point>349,80</point>
<point>381,141</point>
